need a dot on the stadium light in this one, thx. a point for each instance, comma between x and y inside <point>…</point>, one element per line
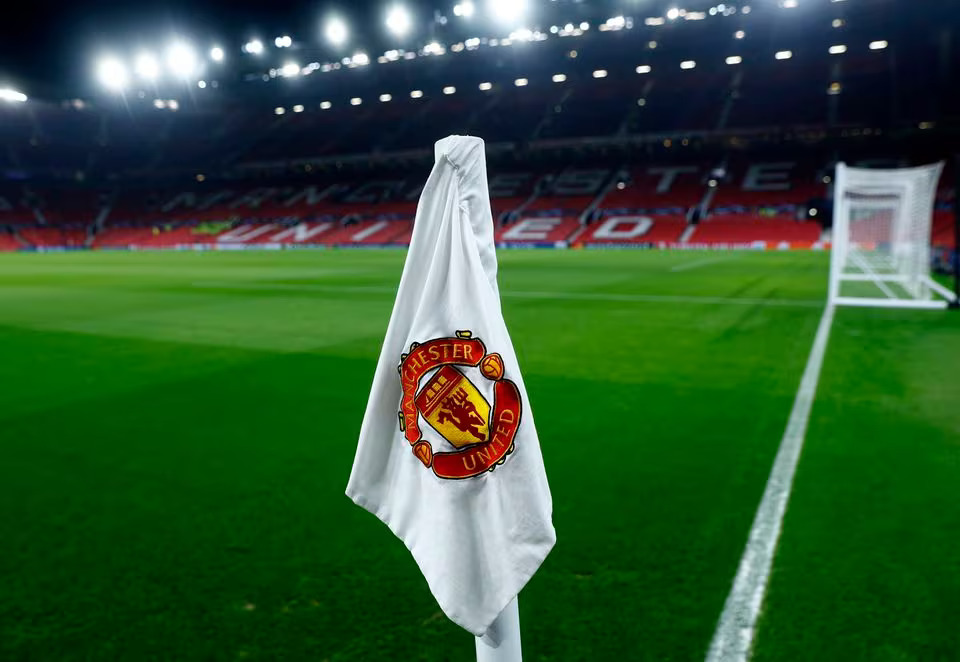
<point>507,11</point>
<point>283,42</point>
<point>398,20</point>
<point>644,69</point>
<point>734,59</point>
<point>181,60</point>
<point>173,104</point>
<point>147,67</point>
<point>216,54</point>
<point>838,23</point>
<point>254,47</point>
<point>673,13</point>
<point>290,69</point>
<point>600,73</point>
<point>464,9</point>
<point>838,49</point>
<point>112,74</point>
<point>12,96</point>
<point>159,104</point>
<point>325,105</point>
<point>878,45</point>
<point>356,101</point>
<point>485,86</point>
<point>789,4</point>
<point>449,89</point>
<point>279,110</point>
<point>416,94</point>
<point>384,98</point>
<point>688,64</point>
<point>336,31</point>
<point>641,102</point>
<point>298,108</point>
<point>783,55</point>
<point>739,34</point>
<point>202,84</point>
<point>521,82</point>
<point>559,78</point>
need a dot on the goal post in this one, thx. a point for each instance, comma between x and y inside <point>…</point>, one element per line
<point>882,223</point>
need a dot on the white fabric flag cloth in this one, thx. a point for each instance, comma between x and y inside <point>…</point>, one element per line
<point>448,455</point>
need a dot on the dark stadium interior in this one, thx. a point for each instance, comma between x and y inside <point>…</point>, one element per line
<point>76,167</point>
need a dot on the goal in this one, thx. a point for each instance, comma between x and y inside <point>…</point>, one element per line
<point>881,238</point>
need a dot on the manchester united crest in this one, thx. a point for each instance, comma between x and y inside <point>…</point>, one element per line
<point>476,435</point>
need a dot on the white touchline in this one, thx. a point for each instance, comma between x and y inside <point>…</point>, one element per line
<point>508,294</point>
<point>699,263</point>
<point>736,628</point>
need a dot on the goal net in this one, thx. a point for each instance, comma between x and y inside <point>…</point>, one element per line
<point>881,238</point>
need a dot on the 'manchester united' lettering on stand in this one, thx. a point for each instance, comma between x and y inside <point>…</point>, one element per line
<point>453,406</point>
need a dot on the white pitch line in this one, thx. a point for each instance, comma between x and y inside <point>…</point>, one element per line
<point>580,296</point>
<point>737,625</point>
<point>696,264</point>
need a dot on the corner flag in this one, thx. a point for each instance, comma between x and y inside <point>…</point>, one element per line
<point>448,455</point>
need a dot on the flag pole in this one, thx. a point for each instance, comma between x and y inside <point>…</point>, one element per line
<point>501,643</point>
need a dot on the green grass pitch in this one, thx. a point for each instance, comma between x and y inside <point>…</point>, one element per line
<point>177,429</point>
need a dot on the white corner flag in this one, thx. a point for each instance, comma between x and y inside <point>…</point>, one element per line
<point>448,455</point>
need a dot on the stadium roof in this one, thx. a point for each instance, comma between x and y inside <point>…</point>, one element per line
<point>59,51</point>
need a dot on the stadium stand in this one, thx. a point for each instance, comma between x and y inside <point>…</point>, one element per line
<point>585,146</point>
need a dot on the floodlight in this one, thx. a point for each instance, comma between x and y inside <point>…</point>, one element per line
<point>384,98</point>
<point>838,49</point>
<point>398,20</point>
<point>181,60</point>
<point>216,54</point>
<point>783,55</point>
<point>739,34</point>
<point>254,47</point>
<point>559,78</point>
<point>13,96</point>
<point>416,94</point>
<point>298,108</point>
<point>464,9</point>
<point>147,67</point>
<point>356,101</point>
<point>486,86</point>
<point>673,13</point>
<point>507,11</point>
<point>290,69</point>
<point>325,105</point>
<point>600,73</point>
<point>688,64</point>
<point>734,59</point>
<point>878,45</point>
<point>112,73</point>
<point>449,89</point>
<point>521,82</point>
<point>279,110</point>
<point>336,31</point>
<point>283,42</point>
